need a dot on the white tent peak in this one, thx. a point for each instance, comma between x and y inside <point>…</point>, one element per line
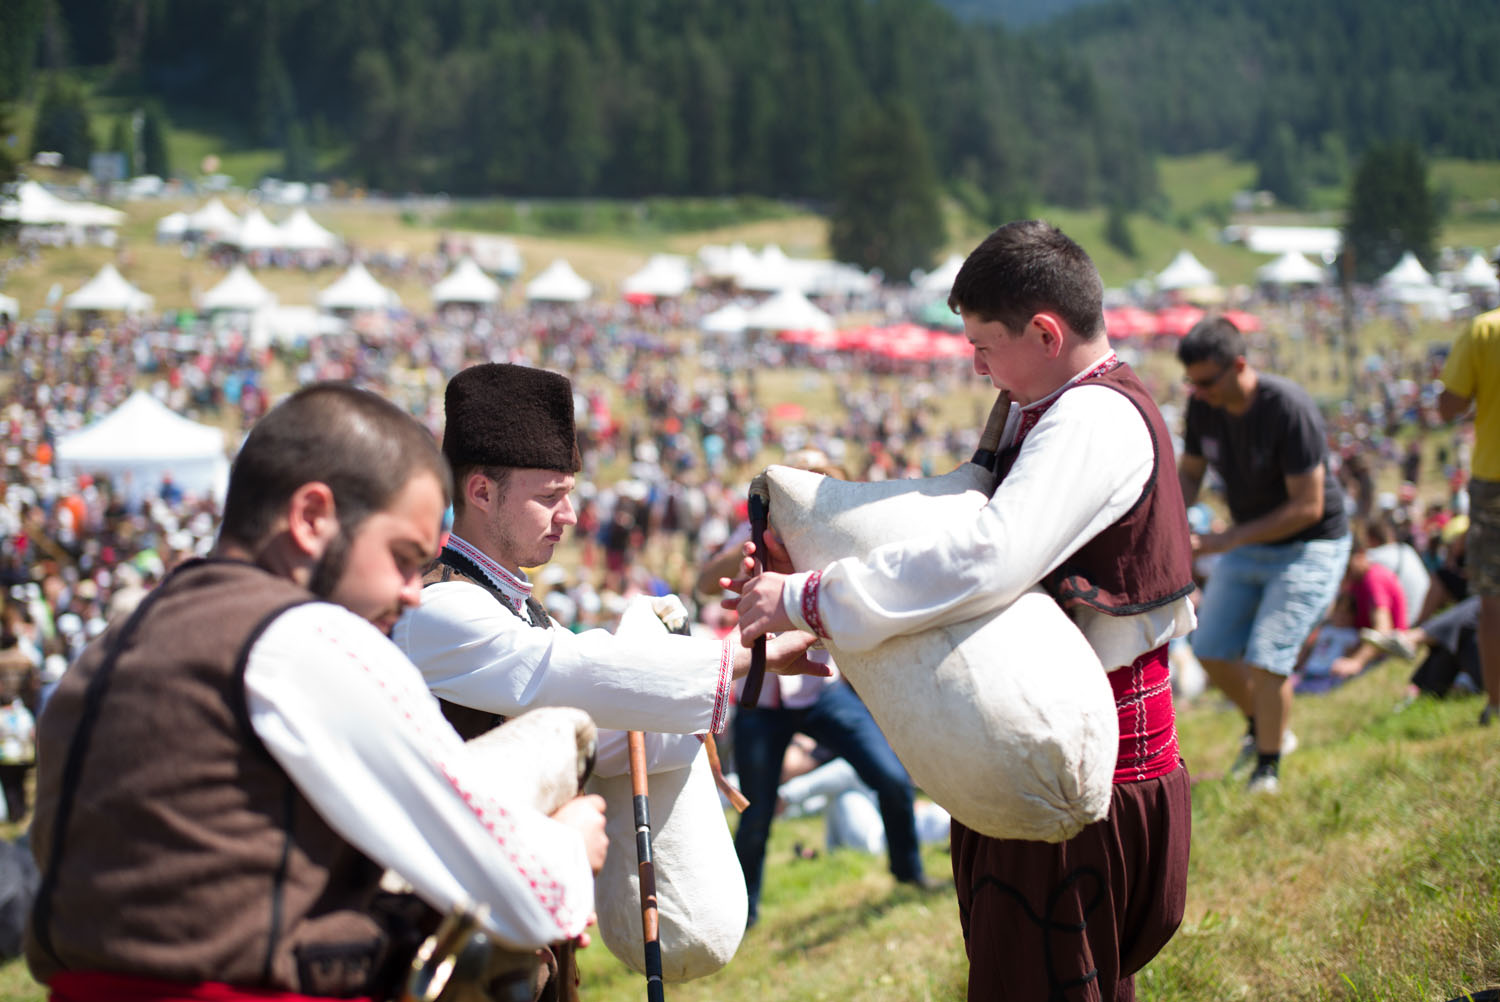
<point>213,220</point>
<point>108,290</point>
<point>788,310</point>
<point>238,290</point>
<point>663,276</point>
<point>939,281</point>
<point>357,289</point>
<point>1478,273</point>
<point>1185,272</point>
<point>256,232</point>
<point>728,319</point>
<point>1407,272</point>
<point>558,283</point>
<point>466,283</point>
<point>301,231</point>
<point>1290,268</point>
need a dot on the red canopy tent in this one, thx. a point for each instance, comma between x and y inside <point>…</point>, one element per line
<point>1246,322</point>
<point>1128,322</point>
<point>1175,321</point>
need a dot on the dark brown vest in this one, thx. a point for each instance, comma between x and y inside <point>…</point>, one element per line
<point>556,974</point>
<point>1144,560</point>
<point>172,845</point>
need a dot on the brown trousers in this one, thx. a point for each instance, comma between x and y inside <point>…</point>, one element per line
<point>1073,921</point>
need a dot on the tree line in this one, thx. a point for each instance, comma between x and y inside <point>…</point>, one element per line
<point>868,109</point>
<point>591,97</point>
<point>1302,88</point>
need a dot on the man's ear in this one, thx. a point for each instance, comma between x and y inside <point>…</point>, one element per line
<point>312,518</point>
<point>1053,329</point>
<point>478,490</point>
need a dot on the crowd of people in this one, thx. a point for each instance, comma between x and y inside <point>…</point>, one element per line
<point>668,429</point>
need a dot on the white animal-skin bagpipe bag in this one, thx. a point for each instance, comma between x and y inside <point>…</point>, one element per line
<point>700,890</point>
<point>1006,720</point>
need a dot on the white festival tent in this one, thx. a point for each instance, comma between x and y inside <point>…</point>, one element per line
<point>1290,268</point>
<point>357,289</point>
<point>1185,272</point>
<point>301,232</point>
<point>1318,241</point>
<point>788,310</point>
<point>725,320</point>
<point>214,220</point>
<point>1408,273</point>
<point>257,233</point>
<point>291,325</point>
<point>172,226</point>
<point>558,283</point>
<point>9,307</point>
<point>467,283</point>
<point>1410,284</point>
<point>108,290</point>
<point>939,281</point>
<point>238,290</point>
<point>771,272</point>
<point>140,441</point>
<point>496,255</point>
<point>36,206</point>
<point>665,276</point>
<point>726,264</point>
<point>835,279</point>
<point>1478,273</point>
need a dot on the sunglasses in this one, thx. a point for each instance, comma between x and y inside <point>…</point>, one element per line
<point>1207,382</point>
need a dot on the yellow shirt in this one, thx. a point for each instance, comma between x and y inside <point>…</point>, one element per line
<point>1473,370</point>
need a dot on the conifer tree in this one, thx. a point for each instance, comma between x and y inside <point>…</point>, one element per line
<point>1391,211</point>
<point>887,210</point>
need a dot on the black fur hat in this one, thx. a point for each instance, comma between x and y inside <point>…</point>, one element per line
<point>510,415</point>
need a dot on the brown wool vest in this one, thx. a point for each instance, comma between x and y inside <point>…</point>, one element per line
<point>172,845</point>
<point>1142,561</point>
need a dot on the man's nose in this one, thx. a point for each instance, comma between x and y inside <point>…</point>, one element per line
<point>410,594</point>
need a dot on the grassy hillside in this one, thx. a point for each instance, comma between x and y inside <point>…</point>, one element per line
<point>1374,877</point>
<point>1199,189</point>
<point>1195,205</point>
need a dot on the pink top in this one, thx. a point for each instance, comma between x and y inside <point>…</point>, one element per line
<point>1378,588</point>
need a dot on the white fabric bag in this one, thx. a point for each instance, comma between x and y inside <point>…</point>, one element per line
<point>700,890</point>
<point>1006,720</point>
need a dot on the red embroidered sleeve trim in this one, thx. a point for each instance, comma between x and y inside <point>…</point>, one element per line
<point>810,604</point>
<point>721,698</point>
<point>550,892</point>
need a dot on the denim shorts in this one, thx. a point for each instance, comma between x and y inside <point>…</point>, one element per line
<point>1262,601</point>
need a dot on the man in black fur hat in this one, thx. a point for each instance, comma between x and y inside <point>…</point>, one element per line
<point>486,647</point>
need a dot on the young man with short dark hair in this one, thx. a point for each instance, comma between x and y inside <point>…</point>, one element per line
<point>1087,506</point>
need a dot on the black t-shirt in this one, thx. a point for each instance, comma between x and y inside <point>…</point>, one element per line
<point>1281,435</point>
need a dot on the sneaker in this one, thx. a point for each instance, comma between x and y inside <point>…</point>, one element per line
<point>924,883</point>
<point>1264,781</point>
<point>1246,756</point>
<point>1248,752</point>
<point>1394,643</point>
<point>1489,715</point>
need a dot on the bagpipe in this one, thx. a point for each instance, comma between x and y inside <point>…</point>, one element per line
<point>1007,720</point>
<point>671,898</point>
